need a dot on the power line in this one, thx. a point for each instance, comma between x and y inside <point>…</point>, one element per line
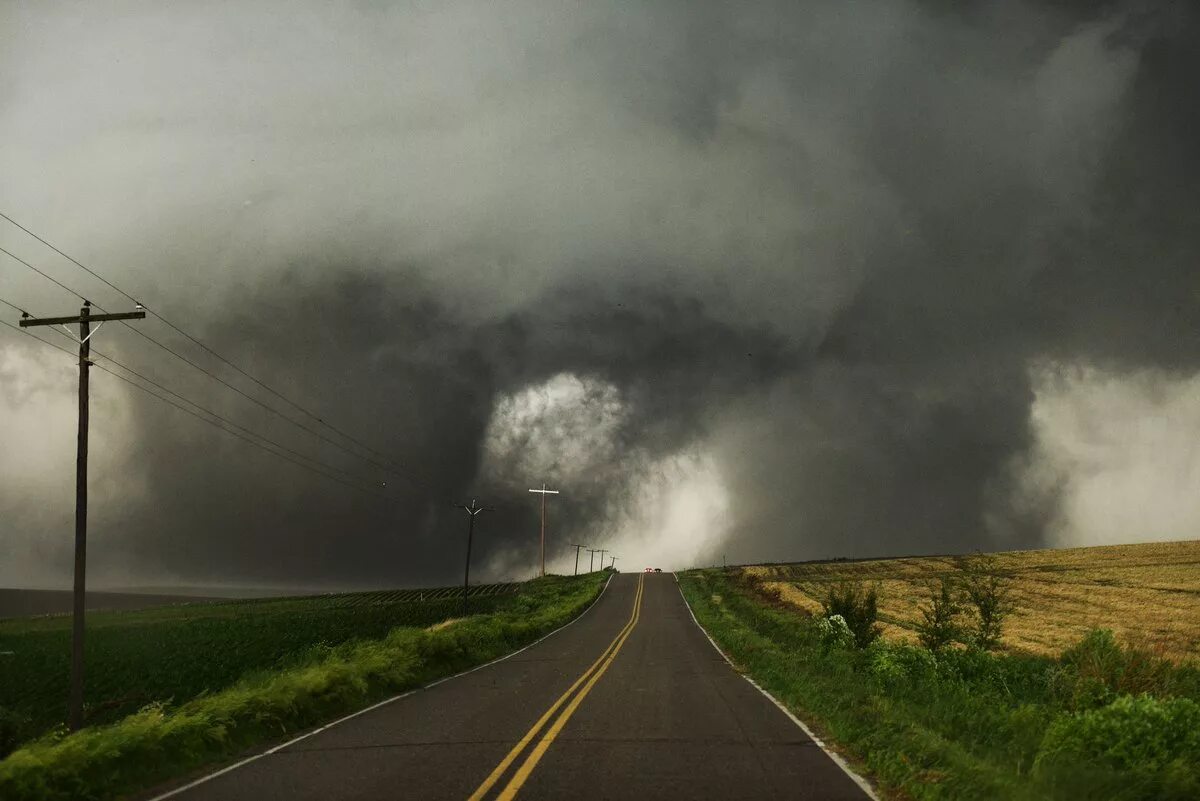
<point>206,420</point>
<point>69,258</point>
<point>197,342</point>
<point>22,311</point>
<point>229,431</point>
<point>183,398</point>
<point>403,474</point>
<point>390,468</point>
<point>49,278</point>
<point>224,419</point>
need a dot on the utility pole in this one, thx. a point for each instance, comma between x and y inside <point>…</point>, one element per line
<point>592,559</point>
<point>613,561</point>
<point>471,511</point>
<point>85,320</point>
<point>544,492</point>
<point>577,548</point>
<point>602,551</point>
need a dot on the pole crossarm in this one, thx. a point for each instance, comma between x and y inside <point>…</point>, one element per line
<point>473,510</point>
<point>29,322</point>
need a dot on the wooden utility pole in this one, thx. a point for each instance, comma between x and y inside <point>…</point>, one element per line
<point>471,511</point>
<point>592,558</point>
<point>85,320</point>
<point>577,547</point>
<point>602,551</point>
<point>613,561</point>
<point>544,492</point>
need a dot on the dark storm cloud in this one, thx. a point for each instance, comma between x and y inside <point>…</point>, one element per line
<point>826,242</point>
<point>916,409</point>
<point>418,386</point>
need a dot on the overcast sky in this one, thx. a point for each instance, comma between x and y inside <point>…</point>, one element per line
<point>775,280</point>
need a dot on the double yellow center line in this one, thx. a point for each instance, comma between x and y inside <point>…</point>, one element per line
<point>588,681</point>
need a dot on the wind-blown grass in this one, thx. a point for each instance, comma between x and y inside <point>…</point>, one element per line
<point>164,740</point>
<point>1100,721</point>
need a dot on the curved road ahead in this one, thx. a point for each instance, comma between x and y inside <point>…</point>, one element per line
<point>629,701</point>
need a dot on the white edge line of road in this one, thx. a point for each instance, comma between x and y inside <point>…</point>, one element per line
<point>385,702</point>
<point>841,763</point>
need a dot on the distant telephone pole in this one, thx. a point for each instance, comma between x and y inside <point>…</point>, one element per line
<point>471,511</point>
<point>577,548</point>
<point>544,492</point>
<point>613,561</point>
<point>592,559</point>
<point>85,320</point>
<point>602,551</point>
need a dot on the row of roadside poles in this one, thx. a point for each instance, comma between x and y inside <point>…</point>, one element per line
<point>85,319</point>
<point>473,511</point>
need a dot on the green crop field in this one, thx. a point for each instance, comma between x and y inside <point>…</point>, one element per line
<point>286,678</point>
<point>178,652</point>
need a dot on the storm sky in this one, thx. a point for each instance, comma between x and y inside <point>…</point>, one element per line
<point>767,280</point>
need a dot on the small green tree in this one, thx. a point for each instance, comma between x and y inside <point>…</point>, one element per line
<point>989,594</point>
<point>858,605</point>
<point>939,624</point>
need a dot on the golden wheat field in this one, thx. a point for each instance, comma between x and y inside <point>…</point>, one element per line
<point>1148,594</point>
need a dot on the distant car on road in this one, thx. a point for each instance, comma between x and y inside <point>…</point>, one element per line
<point>649,570</point>
<point>658,570</point>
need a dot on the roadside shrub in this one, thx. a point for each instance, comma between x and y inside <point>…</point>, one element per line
<point>989,595</point>
<point>1099,668</point>
<point>896,665</point>
<point>1154,741</point>
<point>858,606</point>
<point>939,624</point>
<point>834,632</point>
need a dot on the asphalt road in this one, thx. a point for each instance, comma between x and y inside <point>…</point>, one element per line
<point>632,701</point>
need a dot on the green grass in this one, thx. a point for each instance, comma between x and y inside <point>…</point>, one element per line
<point>178,652</point>
<point>313,683</point>
<point>1101,721</point>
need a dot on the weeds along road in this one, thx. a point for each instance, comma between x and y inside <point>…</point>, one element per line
<point>629,701</point>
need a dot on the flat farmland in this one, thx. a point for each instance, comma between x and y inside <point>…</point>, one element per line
<point>30,603</point>
<point>1148,594</point>
<point>173,653</point>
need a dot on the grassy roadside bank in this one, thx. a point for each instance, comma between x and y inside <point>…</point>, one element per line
<point>162,741</point>
<point>1098,722</point>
